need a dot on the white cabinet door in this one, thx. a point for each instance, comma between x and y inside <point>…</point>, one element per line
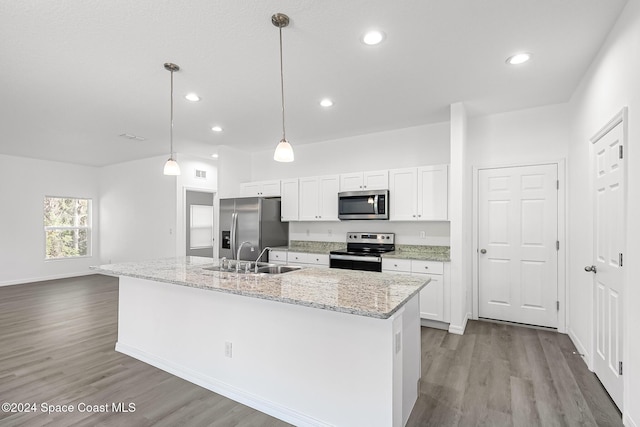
<point>328,198</point>
<point>432,298</point>
<point>351,181</point>
<point>433,193</point>
<point>375,180</point>
<point>308,206</point>
<point>289,200</point>
<point>260,189</point>
<point>402,194</point>
<point>359,181</point>
<point>270,188</point>
<point>250,189</point>
<point>319,198</point>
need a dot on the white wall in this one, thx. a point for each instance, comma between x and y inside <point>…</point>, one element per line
<point>611,83</point>
<point>234,167</point>
<point>23,185</point>
<point>137,211</point>
<point>525,136</point>
<point>414,146</point>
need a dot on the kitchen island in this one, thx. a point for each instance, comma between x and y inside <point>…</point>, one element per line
<point>311,347</point>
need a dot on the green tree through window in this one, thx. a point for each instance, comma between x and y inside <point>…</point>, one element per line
<point>67,227</point>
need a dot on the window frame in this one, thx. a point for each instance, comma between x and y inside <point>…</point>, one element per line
<point>88,228</point>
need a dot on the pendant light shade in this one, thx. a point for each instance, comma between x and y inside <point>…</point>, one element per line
<point>284,151</point>
<point>171,167</point>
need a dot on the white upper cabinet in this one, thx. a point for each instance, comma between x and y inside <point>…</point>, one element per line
<point>419,194</point>
<point>433,193</point>
<point>403,194</point>
<point>371,180</point>
<point>260,189</point>
<point>318,198</point>
<point>289,199</point>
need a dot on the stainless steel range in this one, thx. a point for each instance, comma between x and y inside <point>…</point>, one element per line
<point>364,251</point>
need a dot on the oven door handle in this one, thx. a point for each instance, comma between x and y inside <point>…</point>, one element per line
<point>356,258</point>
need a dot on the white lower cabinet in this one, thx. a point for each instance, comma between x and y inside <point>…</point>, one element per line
<point>434,298</point>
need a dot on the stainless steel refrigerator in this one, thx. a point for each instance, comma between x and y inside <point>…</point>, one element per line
<point>251,219</point>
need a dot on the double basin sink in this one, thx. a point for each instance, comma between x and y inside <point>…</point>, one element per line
<point>250,267</point>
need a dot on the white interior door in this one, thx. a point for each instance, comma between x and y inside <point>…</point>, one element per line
<point>608,248</point>
<point>517,237</point>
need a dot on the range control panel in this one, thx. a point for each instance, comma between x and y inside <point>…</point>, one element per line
<point>377,238</point>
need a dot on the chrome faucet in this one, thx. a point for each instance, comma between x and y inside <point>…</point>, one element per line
<point>238,255</point>
<point>267,248</point>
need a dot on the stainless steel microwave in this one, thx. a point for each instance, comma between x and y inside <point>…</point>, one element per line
<point>372,204</point>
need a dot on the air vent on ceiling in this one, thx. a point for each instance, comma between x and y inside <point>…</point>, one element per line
<point>131,136</point>
<point>201,174</point>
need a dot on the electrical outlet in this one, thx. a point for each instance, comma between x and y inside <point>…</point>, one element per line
<point>228,349</point>
<point>423,235</point>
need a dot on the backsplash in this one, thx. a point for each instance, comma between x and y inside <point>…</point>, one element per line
<point>432,233</point>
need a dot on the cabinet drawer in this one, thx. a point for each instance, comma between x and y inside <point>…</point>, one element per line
<point>318,259</point>
<point>277,256</point>
<point>390,264</point>
<point>297,258</point>
<point>428,267</point>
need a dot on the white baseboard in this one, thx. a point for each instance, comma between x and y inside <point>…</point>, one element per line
<point>580,348</point>
<point>459,329</point>
<point>241,396</point>
<point>627,421</point>
<point>45,278</point>
<point>434,324</point>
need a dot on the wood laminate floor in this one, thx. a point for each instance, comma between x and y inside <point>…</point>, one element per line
<point>57,348</point>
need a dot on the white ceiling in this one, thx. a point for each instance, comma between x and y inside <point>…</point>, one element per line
<point>76,74</point>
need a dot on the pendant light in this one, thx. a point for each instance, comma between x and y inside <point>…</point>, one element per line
<point>171,167</point>
<point>284,152</point>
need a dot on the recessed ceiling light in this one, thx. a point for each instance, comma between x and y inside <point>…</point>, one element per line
<point>519,58</point>
<point>373,37</point>
<point>326,102</point>
<point>216,129</point>
<point>192,97</point>
<point>214,155</point>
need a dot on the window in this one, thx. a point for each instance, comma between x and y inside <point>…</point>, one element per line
<point>67,227</point>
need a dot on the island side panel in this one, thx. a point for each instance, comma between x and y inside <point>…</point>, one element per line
<point>304,365</point>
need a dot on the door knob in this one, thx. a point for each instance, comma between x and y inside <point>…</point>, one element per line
<point>483,251</point>
<point>590,268</point>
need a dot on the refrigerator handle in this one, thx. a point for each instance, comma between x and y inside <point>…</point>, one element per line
<point>234,229</point>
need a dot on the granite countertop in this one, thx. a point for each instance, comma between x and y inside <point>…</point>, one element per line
<point>312,247</point>
<point>360,293</point>
<point>422,253</point>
